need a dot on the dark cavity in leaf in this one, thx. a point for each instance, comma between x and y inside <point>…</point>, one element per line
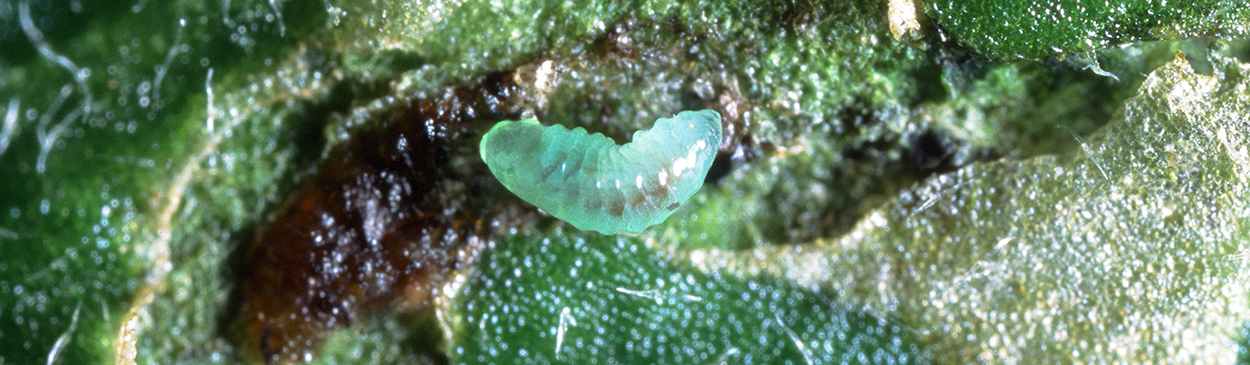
<point>384,221</point>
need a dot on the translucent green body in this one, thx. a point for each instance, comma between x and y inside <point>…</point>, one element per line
<point>595,184</point>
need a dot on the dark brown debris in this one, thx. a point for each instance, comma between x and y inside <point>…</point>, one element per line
<point>383,222</point>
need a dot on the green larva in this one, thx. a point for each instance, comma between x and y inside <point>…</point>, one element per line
<point>594,184</point>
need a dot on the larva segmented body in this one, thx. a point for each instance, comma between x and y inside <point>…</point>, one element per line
<point>594,184</point>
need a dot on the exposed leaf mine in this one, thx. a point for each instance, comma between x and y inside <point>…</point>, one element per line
<point>383,222</point>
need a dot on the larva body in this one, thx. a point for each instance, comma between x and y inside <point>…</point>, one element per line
<point>594,184</point>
